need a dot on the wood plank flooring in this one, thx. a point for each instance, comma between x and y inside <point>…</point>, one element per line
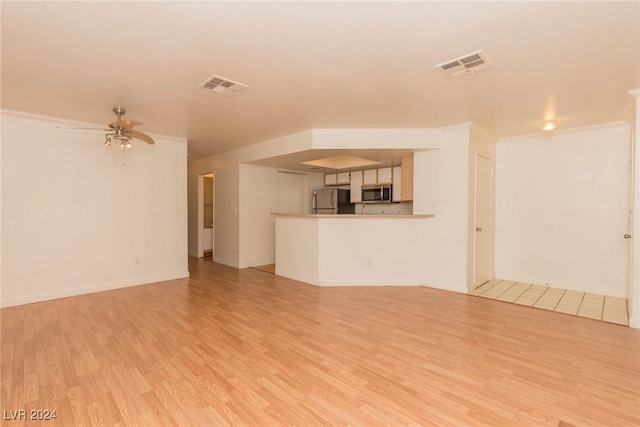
<point>241,347</point>
<point>267,268</point>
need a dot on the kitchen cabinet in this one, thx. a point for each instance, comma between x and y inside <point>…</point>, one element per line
<point>406,191</point>
<point>397,184</point>
<point>356,186</point>
<point>330,179</point>
<point>341,178</point>
<point>370,176</point>
<point>377,176</point>
<point>384,176</point>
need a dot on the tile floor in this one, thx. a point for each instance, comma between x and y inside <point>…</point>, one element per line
<point>599,307</point>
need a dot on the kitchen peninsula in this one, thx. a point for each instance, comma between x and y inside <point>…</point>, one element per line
<point>348,250</point>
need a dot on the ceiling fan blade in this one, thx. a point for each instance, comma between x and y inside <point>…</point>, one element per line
<point>139,135</point>
<point>124,124</point>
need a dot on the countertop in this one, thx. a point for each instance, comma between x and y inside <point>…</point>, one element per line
<point>352,216</point>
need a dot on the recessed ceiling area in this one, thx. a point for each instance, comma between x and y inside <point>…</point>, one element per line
<point>301,159</point>
<point>341,162</point>
<point>322,65</point>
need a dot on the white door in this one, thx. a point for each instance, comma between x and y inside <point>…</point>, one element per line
<point>483,231</point>
<point>292,189</point>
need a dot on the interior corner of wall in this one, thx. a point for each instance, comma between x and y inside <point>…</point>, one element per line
<point>464,127</point>
<point>634,321</point>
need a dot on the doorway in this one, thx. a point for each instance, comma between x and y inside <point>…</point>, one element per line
<point>483,200</point>
<point>206,215</point>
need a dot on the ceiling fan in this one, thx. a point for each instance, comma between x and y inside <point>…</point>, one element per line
<point>122,131</point>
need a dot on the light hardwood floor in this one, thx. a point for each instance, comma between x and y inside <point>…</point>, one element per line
<point>230,347</point>
<point>267,268</point>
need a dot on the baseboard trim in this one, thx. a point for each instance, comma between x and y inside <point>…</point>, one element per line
<point>225,262</point>
<point>72,292</point>
<point>363,283</point>
<point>299,277</point>
<point>634,322</point>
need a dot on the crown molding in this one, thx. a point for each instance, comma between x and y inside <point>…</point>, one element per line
<point>460,126</point>
<point>47,119</point>
<point>74,123</point>
<point>562,131</point>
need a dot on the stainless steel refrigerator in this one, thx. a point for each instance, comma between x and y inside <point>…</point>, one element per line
<point>332,200</point>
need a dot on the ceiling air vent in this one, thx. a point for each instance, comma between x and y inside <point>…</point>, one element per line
<point>466,65</point>
<point>223,85</point>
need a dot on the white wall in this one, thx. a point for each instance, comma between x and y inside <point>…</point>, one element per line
<point>483,143</point>
<point>78,217</point>
<point>226,238</point>
<point>242,206</point>
<point>634,291</point>
<point>1,185</point>
<point>258,200</point>
<point>431,252</point>
<point>370,251</point>
<point>240,243</point>
<point>417,138</point>
<point>343,250</point>
<point>295,260</point>
<point>562,208</point>
<point>440,187</point>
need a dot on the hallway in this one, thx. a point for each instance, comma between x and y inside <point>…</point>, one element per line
<point>582,304</point>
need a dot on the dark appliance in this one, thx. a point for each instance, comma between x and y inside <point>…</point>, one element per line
<point>332,200</point>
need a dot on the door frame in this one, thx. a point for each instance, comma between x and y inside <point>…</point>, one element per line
<point>633,296</point>
<point>200,223</point>
<point>489,225</point>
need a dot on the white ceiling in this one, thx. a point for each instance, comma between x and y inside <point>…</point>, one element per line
<point>319,65</point>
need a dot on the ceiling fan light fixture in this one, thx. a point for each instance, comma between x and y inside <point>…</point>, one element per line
<point>122,131</point>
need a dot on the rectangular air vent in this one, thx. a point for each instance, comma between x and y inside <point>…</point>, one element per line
<point>466,65</point>
<point>223,85</point>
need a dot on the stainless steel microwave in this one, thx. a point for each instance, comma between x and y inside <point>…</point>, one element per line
<point>380,193</point>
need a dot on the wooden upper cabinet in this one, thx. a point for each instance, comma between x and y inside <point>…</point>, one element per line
<point>356,186</point>
<point>384,176</point>
<point>370,176</point>
<point>341,178</point>
<point>330,179</point>
<point>406,190</point>
<point>377,176</point>
<point>397,184</point>
<point>401,178</point>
